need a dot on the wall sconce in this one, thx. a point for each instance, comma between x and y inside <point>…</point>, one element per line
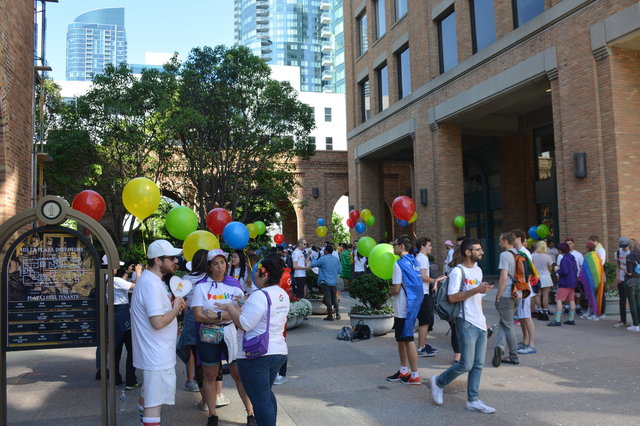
<point>580,164</point>
<point>351,207</point>
<point>315,192</point>
<point>423,197</point>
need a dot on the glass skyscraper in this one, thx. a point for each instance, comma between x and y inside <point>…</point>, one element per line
<point>94,39</point>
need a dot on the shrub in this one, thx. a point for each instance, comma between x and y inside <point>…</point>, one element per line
<point>610,275</point>
<point>312,285</point>
<point>372,292</point>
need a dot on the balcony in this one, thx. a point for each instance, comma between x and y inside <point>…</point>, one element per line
<point>327,60</point>
<point>262,21</point>
<point>262,29</point>
<point>265,51</point>
<point>325,5</point>
<point>325,32</point>
<point>260,6</point>
<point>325,19</point>
<point>326,48</point>
<point>327,75</point>
<point>262,13</point>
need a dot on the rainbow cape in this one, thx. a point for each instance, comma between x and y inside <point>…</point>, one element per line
<point>592,278</point>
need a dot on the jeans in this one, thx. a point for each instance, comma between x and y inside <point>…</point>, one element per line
<point>299,286</point>
<point>283,369</point>
<point>506,333</point>
<point>632,287</point>
<point>257,376</point>
<point>623,302</point>
<point>131,378</point>
<point>473,344</point>
<point>455,344</point>
<point>330,297</point>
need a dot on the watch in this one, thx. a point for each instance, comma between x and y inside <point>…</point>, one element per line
<point>219,315</point>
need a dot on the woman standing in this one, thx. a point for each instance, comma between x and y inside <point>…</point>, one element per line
<point>239,270</point>
<point>543,263</point>
<point>347,265</point>
<point>632,284</point>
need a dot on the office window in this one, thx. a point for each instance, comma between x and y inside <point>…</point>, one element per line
<point>381,20</point>
<point>327,114</point>
<point>401,9</point>
<point>329,144</point>
<point>482,23</point>
<point>526,10</point>
<point>312,139</point>
<point>365,100</point>
<point>363,38</point>
<point>313,113</point>
<point>448,41</point>
<point>404,73</point>
<point>383,88</point>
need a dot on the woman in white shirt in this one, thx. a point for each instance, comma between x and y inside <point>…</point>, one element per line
<point>543,263</point>
<point>239,269</point>
<point>263,315</point>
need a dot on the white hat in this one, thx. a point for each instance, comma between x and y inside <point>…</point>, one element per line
<point>215,252</point>
<point>105,261</point>
<point>160,248</point>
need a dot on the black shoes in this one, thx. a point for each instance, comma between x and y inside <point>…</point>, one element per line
<point>251,421</point>
<point>497,356</point>
<point>569,322</point>
<point>328,318</point>
<point>212,421</point>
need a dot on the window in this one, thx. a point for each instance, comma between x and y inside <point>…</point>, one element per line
<point>526,10</point>
<point>401,9</point>
<point>383,88</point>
<point>365,100</point>
<point>329,144</point>
<point>363,38</point>
<point>313,113</point>
<point>327,114</point>
<point>483,24</point>
<point>312,139</point>
<point>381,20</point>
<point>448,41</point>
<point>404,73</point>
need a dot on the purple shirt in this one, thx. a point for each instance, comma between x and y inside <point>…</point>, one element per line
<point>567,274</point>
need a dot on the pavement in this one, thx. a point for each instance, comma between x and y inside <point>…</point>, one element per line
<point>582,375</point>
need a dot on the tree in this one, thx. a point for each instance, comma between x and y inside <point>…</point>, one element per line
<point>339,233</point>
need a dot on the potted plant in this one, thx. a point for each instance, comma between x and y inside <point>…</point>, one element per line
<point>314,295</point>
<point>372,293</point>
<point>611,289</point>
<point>298,311</point>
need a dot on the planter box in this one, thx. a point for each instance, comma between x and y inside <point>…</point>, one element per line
<point>613,306</point>
<point>295,322</point>
<point>317,307</point>
<point>379,324</point>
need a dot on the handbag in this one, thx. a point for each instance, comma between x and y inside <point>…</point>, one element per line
<point>211,333</point>
<point>258,346</point>
<point>361,331</point>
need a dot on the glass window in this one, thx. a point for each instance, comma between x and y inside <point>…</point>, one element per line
<point>312,139</point>
<point>545,153</point>
<point>329,144</point>
<point>383,88</point>
<point>401,9</point>
<point>327,114</point>
<point>365,100</point>
<point>363,38</point>
<point>448,41</point>
<point>313,112</point>
<point>404,73</point>
<point>381,20</point>
<point>526,10</point>
<point>483,24</point>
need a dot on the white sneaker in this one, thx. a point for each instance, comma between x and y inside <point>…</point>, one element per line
<point>620,324</point>
<point>280,380</point>
<point>202,405</point>
<point>593,318</point>
<point>222,400</point>
<point>635,328</point>
<point>436,392</point>
<point>480,406</point>
<point>584,316</point>
<point>603,316</point>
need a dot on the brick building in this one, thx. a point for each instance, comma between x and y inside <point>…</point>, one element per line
<point>511,113</point>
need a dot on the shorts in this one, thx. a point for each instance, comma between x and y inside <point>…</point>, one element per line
<point>565,294</point>
<point>158,387</point>
<point>210,354</point>
<point>524,308</point>
<point>398,325</point>
<point>546,281</point>
<point>425,314</point>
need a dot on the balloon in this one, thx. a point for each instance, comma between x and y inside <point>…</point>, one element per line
<point>141,197</point>
<point>90,203</point>
<point>360,227</point>
<point>365,214</point>
<point>321,221</point>
<point>351,223</point>
<point>459,221</point>
<point>354,215</point>
<point>262,228</point>
<point>414,217</point>
<point>181,221</point>
<point>278,238</point>
<point>533,232</point>
<point>531,242</point>
<point>253,230</point>
<point>403,224</point>
<point>381,260</point>
<point>371,221</point>
<point>236,235</point>
<point>542,231</point>
<point>217,219</point>
<point>321,231</point>
<point>403,207</point>
<point>199,240</point>
<point>365,245</point>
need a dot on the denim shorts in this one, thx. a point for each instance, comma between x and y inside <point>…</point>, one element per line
<point>211,354</point>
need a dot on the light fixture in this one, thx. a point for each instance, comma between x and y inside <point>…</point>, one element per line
<point>580,164</point>
<point>423,197</point>
<point>315,192</point>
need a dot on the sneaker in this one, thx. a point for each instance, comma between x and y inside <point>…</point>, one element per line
<point>436,392</point>
<point>544,316</point>
<point>603,316</point>
<point>584,316</point>
<point>408,380</point>
<point>527,350</point>
<point>497,356</point>
<point>338,317</point>
<point>212,421</point>
<point>280,380</point>
<point>132,386</point>
<point>620,324</point>
<point>202,405</point>
<point>251,421</point>
<point>521,345</point>
<point>427,351</point>
<point>569,322</point>
<point>593,318</point>
<point>634,328</point>
<point>222,400</point>
<point>397,376</point>
<point>328,318</point>
<point>512,361</point>
<point>480,406</point>
<point>192,386</point>
<point>554,324</point>
<point>432,349</point>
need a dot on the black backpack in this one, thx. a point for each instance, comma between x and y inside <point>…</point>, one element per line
<point>361,331</point>
<point>444,309</point>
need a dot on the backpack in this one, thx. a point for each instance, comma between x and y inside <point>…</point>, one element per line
<point>345,333</point>
<point>520,288</point>
<point>361,331</point>
<point>444,309</point>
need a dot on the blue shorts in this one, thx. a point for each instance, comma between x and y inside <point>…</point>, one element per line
<point>211,354</point>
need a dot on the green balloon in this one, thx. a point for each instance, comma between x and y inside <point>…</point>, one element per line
<point>371,221</point>
<point>365,245</point>
<point>181,221</point>
<point>381,260</point>
<point>262,228</point>
<point>459,222</point>
<point>542,231</point>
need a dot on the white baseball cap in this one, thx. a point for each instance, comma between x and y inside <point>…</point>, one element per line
<point>105,261</point>
<point>160,248</point>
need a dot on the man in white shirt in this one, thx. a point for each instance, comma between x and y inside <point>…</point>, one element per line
<point>425,315</point>
<point>300,268</point>
<point>621,275</point>
<point>471,326</point>
<point>155,331</point>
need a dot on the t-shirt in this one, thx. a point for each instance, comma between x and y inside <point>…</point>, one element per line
<point>359,263</point>
<point>209,293</point>
<point>120,290</point>
<point>579,259</point>
<point>254,318</point>
<point>553,252</point>
<point>423,263</point>
<point>152,349</point>
<point>621,259</point>
<point>542,261</point>
<point>473,305</point>
<point>235,273</point>
<point>602,254</point>
<point>508,261</point>
<point>298,260</point>
<point>194,281</point>
<point>400,300</point>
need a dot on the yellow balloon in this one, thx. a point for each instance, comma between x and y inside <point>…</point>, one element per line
<point>141,197</point>
<point>253,230</point>
<point>321,231</point>
<point>365,214</point>
<point>199,240</point>
<point>414,217</point>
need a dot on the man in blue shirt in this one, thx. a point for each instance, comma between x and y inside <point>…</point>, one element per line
<point>328,270</point>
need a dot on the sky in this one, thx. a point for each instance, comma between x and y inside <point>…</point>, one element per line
<point>151,26</point>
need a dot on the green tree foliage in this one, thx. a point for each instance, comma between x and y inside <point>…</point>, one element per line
<point>339,232</point>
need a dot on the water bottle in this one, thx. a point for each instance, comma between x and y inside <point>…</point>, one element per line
<point>491,331</point>
<point>123,400</point>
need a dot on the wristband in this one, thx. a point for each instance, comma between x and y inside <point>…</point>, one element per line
<point>219,315</point>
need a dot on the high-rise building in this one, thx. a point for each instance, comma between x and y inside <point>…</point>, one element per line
<point>337,30</point>
<point>95,39</point>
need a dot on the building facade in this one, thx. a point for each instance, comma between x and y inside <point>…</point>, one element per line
<point>511,113</point>
<point>95,39</point>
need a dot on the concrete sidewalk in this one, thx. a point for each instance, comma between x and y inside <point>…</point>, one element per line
<point>587,374</point>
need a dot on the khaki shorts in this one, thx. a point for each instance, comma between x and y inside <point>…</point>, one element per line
<point>158,387</point>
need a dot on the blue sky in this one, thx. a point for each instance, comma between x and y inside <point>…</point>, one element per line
<point>151,25</point>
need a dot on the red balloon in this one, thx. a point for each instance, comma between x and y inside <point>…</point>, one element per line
<point>217,219</point>
<point>351,223</point>
<point>90,203</point>
<point>403,208</point>
<point>278,238</point>
<point>354,215</point>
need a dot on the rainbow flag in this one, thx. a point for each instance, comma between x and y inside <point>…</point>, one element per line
<point>592,278</point>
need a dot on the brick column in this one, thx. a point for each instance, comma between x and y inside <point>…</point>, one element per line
<point>503,13</point>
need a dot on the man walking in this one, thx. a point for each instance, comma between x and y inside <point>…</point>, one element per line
<point>155,331</point>
<point>425,315</point>
<point>471,326</point>
<point>328,270</point>
<point>300,268</point>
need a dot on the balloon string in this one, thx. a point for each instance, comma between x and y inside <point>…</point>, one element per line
<point>144,245</point>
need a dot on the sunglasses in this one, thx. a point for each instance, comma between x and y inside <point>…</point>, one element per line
<point>171,258</point>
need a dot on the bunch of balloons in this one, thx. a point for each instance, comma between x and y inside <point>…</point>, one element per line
<point>321,230</point>
<point>539,232</point>
<point>256,228</point>
<point>381,259</point>
<point>360,220</point>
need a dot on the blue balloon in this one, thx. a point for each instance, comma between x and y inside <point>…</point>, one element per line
<point>236,235</point>
<point>360,227</point>
<point>404,223</point>
<point>533,233</point>
<point>321,221</point>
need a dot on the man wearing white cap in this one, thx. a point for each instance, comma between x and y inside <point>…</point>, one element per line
<point>155,331</point>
